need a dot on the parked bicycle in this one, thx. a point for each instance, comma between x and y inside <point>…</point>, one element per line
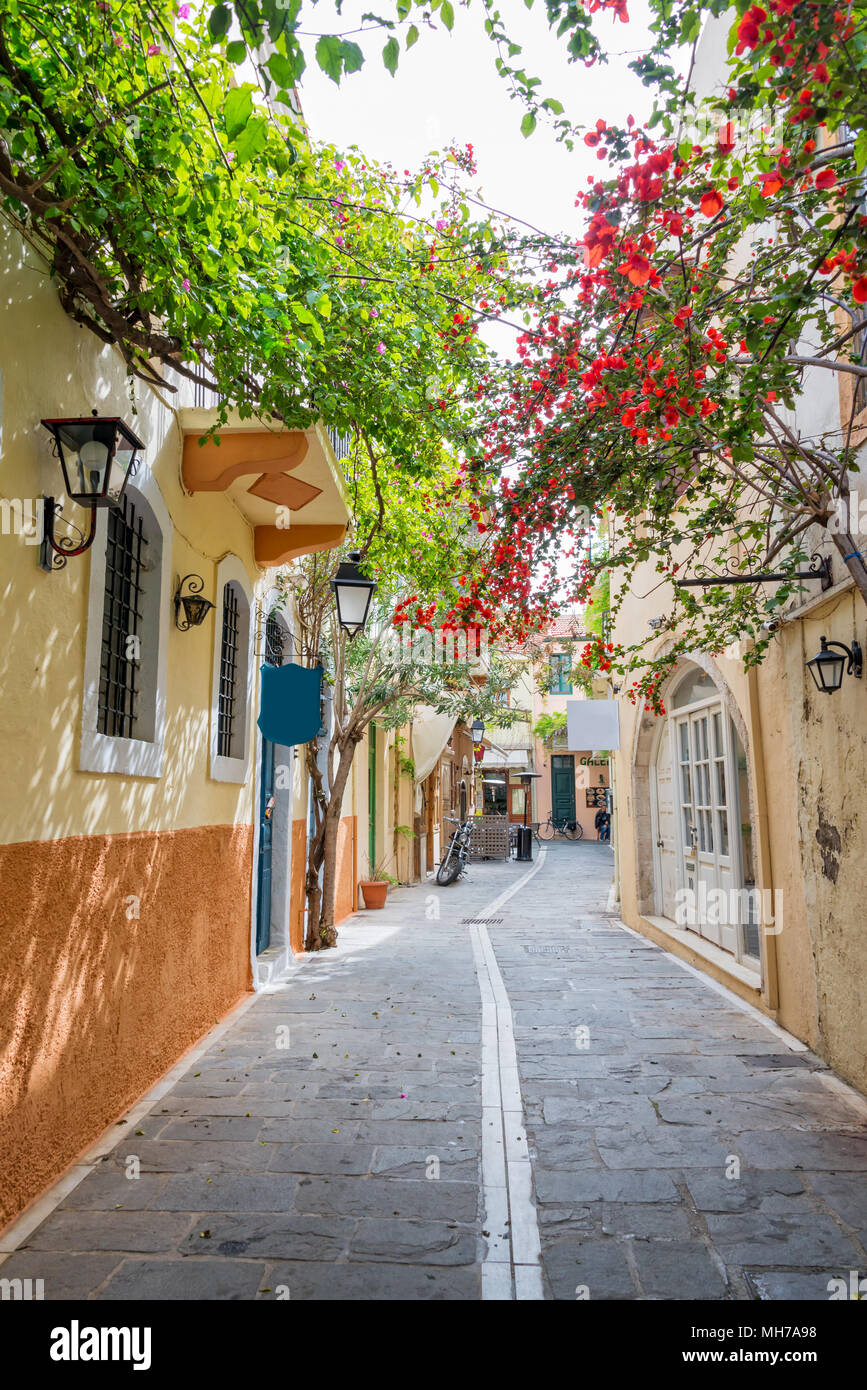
<point>569,829</point>
<point>456,857</point>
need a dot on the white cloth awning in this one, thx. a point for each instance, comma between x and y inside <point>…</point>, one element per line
<point>430,734</point>
<point>593,724</point>
<point>512,758</point>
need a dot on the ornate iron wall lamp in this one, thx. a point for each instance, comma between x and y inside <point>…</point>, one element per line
<point>98,455</point>
<point>195,607</point>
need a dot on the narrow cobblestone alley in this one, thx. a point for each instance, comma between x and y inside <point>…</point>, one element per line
<point>358,1134</point>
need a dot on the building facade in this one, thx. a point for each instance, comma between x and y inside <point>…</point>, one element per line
<point>151,844</point>
<point>741,831</point>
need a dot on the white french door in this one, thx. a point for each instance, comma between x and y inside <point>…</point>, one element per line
<point>702,757</point>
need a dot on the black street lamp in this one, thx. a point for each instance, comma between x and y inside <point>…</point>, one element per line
<point>478,730</point>
<point>353,592</point>
<point>98,454</point>
<point>826,667</point>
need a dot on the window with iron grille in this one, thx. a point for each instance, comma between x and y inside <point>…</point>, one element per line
<point>119,688</point>
<point>275,635</point>
<point>228,672</point>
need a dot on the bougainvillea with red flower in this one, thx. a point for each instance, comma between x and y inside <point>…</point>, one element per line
<point>720,257</point>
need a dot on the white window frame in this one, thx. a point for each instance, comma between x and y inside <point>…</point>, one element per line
<point>100,752</point>
<point>231,570</point>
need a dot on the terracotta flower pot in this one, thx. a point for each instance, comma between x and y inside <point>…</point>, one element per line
<point>374,892</point>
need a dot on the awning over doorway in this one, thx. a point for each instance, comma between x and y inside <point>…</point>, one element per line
<point>430,734</point>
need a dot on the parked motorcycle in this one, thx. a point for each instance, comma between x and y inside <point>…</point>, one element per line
<point>456,857</point>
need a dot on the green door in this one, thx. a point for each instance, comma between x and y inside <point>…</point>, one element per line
<point>563,786</point>
<point>371,798</point>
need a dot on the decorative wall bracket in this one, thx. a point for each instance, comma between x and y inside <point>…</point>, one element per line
<point>820,568</point>
<point>54,551</point>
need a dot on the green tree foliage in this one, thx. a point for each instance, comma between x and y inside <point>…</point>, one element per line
<point>187,220</point>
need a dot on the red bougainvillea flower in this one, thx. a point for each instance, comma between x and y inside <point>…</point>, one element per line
<point>859,290</point>
<point>711,203</point>
<point>749,33</point>
<point>598,241</point>
<point>637,269</point>
<point>725,138</point>
<point>771,184</point>
<point>826,179</point>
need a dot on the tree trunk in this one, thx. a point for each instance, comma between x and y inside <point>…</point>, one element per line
<point>852,557</point>
<point>321,931</point>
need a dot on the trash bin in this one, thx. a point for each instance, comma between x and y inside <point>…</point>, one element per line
<point>525,844</point>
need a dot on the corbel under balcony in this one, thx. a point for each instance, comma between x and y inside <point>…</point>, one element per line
<point>273,475</point>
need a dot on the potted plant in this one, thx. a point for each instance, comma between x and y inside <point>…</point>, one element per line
<point>375,888</point>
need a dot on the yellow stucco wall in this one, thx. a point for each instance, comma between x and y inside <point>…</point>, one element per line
<point>52,367</point>
<point>807,757</point>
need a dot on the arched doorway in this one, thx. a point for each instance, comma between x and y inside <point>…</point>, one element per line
<point>703,874</point>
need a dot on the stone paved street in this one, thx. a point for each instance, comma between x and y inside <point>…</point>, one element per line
<point>678,1147</point>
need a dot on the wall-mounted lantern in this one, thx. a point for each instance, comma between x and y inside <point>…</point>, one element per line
<point>353,592</point>
<point>98,454</point>
<point>478,730</point>
<point>196,608</point>
<point>826,667</point>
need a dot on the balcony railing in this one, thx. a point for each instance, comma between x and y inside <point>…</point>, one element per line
<point>340,443</point>
<point>206,399</point>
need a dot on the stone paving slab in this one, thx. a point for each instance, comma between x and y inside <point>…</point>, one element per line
<point>633,1125</point>
<point>328,1145</point>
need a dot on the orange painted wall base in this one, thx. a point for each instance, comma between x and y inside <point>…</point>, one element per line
<point>117,952</point>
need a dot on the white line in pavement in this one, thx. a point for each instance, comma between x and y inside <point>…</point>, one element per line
<point>512,1266</point>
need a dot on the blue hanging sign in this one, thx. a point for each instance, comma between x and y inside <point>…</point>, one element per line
<point>290,710</point>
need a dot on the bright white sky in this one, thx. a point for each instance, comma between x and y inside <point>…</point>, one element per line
<point>447,89</point>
